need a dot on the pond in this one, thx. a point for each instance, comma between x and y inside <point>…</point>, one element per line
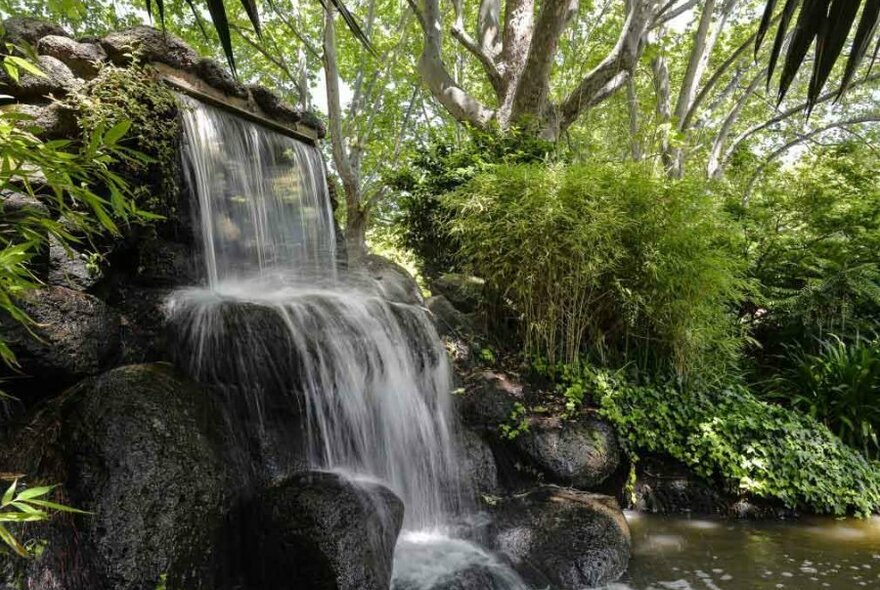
<point>695,553</point>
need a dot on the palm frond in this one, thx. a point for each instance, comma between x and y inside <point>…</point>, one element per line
<point>827,22</point>
<point>220,21</point>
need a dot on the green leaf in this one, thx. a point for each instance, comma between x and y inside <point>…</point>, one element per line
<point>10,494</point>
<point>12,542</point>
<point>34,493</point>
<point>25,65</point>
<point>117,132</point>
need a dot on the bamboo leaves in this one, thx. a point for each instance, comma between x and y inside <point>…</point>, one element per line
<point>28,505</point>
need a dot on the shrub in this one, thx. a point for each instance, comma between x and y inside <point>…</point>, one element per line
<point>604,260</point>
<point>751,446</point>
<point>444,168</point>
<point>812,239</point>
<point>839,386</point>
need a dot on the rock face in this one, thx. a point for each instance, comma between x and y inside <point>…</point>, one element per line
<point>562,538</point>
<point>49,121</point>
<point>582,454</point>
<point>488,400</point>
<point>464,292</point>
<point>57,81</point>
<point>449,320</point>
<point>149,44</point>
<point>321,531</point>
<point>77,335</point>
<point>478,463</point>
<point>83,59</point>
<point>393,281</point>
<point>141,450</point>
<point>23,29</point>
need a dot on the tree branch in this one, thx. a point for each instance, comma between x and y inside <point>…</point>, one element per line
<point>443,87</point>
<point>872,118</point>
<point>739,139</point>
<point>622,58</point>
<point>485,59</point>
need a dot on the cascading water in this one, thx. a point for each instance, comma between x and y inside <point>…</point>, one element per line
<point>276,323</point>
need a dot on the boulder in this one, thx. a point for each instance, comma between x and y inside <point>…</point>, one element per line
<point>149,45</point>
<point>464,292</point>
<point>24,29</point>
<point>478,463</point>
<point>488,400</point>
<point>140,448</point>
<point>48,121</point>
<point>15,203</point>
<point>56,81</point>
<point>582,454</point>
<point>562,538</point>
<point>320,530</point>
<point>449,320</point>
<point>218,77</point>
<point>83,59</point>
<point>77,335</point>
<point>70,268</point>
<point>393,281</point>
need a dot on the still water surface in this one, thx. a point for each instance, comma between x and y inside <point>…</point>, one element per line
<point>693,553</point>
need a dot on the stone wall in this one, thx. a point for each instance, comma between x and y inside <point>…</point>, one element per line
<point>68,63</point>
<point>95,313</point>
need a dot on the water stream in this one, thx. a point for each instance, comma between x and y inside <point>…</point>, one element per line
<point>275,324</point>
<point>695,553</point>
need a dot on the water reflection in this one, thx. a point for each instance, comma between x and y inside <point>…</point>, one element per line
<point>681,553</point>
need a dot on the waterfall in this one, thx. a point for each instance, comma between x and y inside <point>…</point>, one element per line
<point>262,198</point>
<point>275,328</point>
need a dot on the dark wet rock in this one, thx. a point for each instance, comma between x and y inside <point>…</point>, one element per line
<point>464,292</point>
<point>165,263</point>
<point>77,335</point>
<point>562,538</point>
<point>71,268</point>
<point>582,453</point>
<point>24,29</point>
<point>57,81</point>
<point>318,530</point>
<point>48,121</point>
<point>217,76</point>
<point>666,486</point>
<point>140,448</point>
<point>83,59</point>
<point>394,282</point>
<point>478,463</point>
<point>144,331</point>
<point>149,45</point>
<point>488,399</point>
<point>249,344</point>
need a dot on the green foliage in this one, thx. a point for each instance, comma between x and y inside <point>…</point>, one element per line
<point>812,238</point>
<point>751,446</point>
<point>838,386</point>
<point>76,195</point>
<point>517,422</point>
<point>442,169</point>
<point>607,260</point>
<point>24,506</point>
<point>133,94</point>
